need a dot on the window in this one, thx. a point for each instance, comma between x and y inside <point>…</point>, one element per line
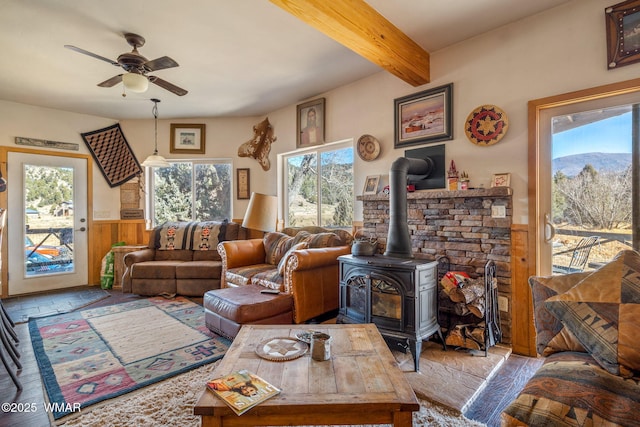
<point>190,191</point>
<point>319,186</point>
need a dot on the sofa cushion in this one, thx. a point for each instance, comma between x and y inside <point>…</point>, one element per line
<point>193,235</point>
<point>345,237</point>
<point>176,255</point>
<point>283,261</point>
<point>275,246</point>
<point>322,240</point>
<point>602,312</point>
<point>269,279</point>
<point>246,304</point>
<point>572,389</point>
<point>211,255</point>
<point>551,335</point>
<point>198,270</point>
<point>241,276</point>
<point>154,269</point>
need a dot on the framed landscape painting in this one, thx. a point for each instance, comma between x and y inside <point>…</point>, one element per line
<point>187,138</point>
<point>424,117</point>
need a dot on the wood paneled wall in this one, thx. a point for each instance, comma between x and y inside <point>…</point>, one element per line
<point>103,234</point>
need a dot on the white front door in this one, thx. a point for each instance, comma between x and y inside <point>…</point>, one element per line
<point>47,213</point>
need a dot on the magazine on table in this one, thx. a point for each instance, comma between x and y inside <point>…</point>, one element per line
<point>242,390</point>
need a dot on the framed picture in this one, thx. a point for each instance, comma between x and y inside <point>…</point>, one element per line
<point>243,183</point>
<point>187,138</point>
<point>424,117</point>
<point>371,185</point>
<point>501,180</point>
<point>623,33</point>
<point>310,123</point>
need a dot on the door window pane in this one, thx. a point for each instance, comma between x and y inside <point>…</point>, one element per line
<point>591,187</point>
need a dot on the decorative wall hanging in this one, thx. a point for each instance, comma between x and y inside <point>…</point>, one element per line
<point>187,138</point>
<point>310,123</point>
<point>486,125</point>
<point>259,146</point>
<point>244,183</point>
<point>623,35</point>
<point>368,148</point>
<point>48,144</point>
<point>424,117</point>
<point>112,153</point>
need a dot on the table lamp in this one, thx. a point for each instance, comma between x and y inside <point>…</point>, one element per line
<point>261,213</point>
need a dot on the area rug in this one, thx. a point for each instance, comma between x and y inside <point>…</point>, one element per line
<point>22,308</point>
<point>171,402</point>
<point>88,356</point>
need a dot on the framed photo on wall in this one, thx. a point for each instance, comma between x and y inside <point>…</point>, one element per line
<point>424,117</point>
<point>501,180</point>
<point>371,185</point>
<point>243,183</point>
<point>310,123</point>
<point>623,33</point>
<point>187,138</point>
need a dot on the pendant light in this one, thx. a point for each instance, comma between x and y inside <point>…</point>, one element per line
<point>155,160</point>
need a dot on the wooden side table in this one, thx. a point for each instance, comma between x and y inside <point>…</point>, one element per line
<point>118,261</point>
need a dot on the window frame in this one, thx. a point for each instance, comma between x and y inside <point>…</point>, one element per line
<point>149,184</point>
<point>283,175</point>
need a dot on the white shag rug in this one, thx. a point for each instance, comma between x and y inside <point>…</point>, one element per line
<point>171,402</point>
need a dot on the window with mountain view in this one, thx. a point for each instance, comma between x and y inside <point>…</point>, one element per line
<point>319,187</point>
<point>190,191</point>
<point>592,185</point>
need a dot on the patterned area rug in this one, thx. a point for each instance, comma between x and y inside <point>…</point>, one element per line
<point>92,355</point>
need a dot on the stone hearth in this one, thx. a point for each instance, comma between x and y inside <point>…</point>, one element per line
<point>458,224</point>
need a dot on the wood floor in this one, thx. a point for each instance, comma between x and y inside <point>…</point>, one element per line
<point>28,408</point>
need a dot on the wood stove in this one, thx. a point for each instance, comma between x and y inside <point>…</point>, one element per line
<point>398,295</point>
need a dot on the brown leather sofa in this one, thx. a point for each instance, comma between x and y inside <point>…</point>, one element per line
<point>181,258</point>
<point>301,265</point>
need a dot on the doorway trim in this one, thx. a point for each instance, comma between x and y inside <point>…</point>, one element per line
<point>4,152</point>
<point>523,317</point>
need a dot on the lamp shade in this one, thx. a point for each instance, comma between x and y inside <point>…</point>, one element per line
<point>155,160</point>
<point>262,213</point>
<point>135,82</point>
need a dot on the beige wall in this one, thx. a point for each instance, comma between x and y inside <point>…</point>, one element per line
<point>558,51</point>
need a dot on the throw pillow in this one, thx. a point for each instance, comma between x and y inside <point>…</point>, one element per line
<point>322,240</point>
<point>551,335</point>
<point>602,312</point>
<point>275,246</point>
<point>285,258</point>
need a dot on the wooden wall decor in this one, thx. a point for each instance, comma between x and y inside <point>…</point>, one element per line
<point>259,146</point>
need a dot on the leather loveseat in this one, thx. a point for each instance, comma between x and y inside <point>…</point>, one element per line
<point>301,264</point>
<point>181,258</point>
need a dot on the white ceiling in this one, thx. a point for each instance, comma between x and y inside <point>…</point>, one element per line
<point>237,57</point>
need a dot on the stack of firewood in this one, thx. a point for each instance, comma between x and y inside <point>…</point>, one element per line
<point>468,296</point>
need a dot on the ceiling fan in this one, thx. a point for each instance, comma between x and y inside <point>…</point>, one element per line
<point>137,68</point>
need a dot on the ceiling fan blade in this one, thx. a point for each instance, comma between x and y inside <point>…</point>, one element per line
<point>168,86</point>
<point>112,81</point>
<point>160,64</point>
<point>91,54</point>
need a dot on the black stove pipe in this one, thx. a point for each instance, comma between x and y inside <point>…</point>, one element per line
<point>399,239</point>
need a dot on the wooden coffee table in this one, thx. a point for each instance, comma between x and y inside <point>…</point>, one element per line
<point>360,384</point>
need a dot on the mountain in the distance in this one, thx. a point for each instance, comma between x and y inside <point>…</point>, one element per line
<point>602,162</point>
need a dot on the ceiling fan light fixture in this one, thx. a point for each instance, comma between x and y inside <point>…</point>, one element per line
<point>155,160</point>
<point>135,82</point>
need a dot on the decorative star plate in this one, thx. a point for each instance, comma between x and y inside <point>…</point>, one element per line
<point>486,125</point>
<point>281,349</point>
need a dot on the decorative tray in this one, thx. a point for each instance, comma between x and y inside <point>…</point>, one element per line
<point>281,349</point>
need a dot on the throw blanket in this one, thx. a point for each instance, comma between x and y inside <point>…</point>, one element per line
<point>196,236</point>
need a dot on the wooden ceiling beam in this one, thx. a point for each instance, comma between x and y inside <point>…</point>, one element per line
<point>359,27</point>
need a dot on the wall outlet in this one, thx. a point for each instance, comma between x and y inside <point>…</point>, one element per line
<point>503,304</point>
<point>498,211</point>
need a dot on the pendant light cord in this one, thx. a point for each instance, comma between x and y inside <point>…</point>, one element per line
<point>154,111</point>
